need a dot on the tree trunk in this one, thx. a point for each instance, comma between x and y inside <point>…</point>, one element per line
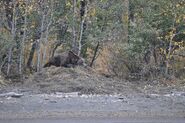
<point>21,55</point>
<point>54,49</point>
<point>39,45</point>
<point>168,59</point>
<point>9,60</point>
<point>131,20</point>
<point>47,34</point>
<point>13,32</point>
<point>170,50</point>
<point>74,27</point>
<point>59,42</point>
<point>83,15</point>
<point>45,42</point>
<point>38,54</point>
<point>30,59</point>
<point>80,40</point>
<point>95,54</point>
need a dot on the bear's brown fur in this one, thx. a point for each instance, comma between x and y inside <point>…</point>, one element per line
<point>67,59</point>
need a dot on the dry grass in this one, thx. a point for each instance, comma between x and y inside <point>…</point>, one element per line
<point>3,82</point>
<point>78,79</point>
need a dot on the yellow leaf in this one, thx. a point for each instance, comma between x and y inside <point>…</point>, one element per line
<point>68,4</point>
<point>93,12</point>
<point>178,5</point>
<point>178,20</point>
<point>30,8</point>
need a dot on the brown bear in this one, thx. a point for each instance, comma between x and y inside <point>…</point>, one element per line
<point>67,59</point>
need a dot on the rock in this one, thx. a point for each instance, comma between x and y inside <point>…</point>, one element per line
<point>11,94</point>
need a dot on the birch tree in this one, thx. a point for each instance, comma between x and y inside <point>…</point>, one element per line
<point>13,33</point>
<point>21,55</point>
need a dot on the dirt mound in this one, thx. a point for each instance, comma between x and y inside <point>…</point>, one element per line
<point>78,79</point>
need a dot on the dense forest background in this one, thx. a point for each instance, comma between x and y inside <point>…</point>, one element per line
<point>130,39</point>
